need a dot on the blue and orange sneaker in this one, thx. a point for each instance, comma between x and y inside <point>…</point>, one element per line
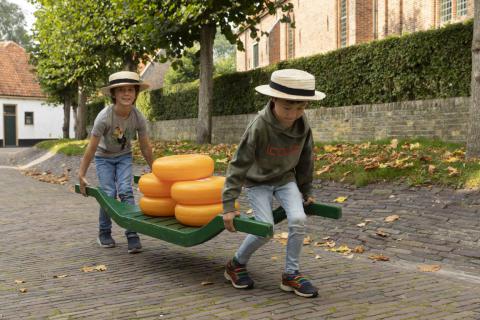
<point>237,274</point>
<point>299,284</point>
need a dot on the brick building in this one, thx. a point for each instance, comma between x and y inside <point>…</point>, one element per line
<point>325,25</point>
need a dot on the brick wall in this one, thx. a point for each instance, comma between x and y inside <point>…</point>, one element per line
<point>440,118</point>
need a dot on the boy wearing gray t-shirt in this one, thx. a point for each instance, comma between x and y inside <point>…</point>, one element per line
<point>110,144</point>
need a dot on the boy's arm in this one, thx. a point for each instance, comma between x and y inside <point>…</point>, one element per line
<point>304,168</point>
<point>146,149</point>
<point>85,163</point>
<point>237,170</point>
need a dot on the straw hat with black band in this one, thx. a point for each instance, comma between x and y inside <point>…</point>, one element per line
<point>291,84</point>
<point>123,78</point>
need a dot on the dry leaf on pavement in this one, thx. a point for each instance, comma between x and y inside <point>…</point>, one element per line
<point>100,267</point>
<point>358,249</point>
<point>60,276</point>
<point>307,240</point>
<point>340,199</point>
<point>19,281</point>
<point>378,257</point>
<point>206,283</point>
<point>381,233</point>
<point>428,267</point>
<point>392,218</point>
<point>23,290</point>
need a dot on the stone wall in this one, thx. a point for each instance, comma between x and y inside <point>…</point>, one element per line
<point>445,119</point>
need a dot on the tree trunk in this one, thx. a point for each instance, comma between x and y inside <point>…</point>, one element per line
<point>205,94</point>
<point>81,123</point>
<point>67,103</point>
<point>473,136</point>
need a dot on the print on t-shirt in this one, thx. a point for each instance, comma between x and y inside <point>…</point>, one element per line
<point>120,137</point>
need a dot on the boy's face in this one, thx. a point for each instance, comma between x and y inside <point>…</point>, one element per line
<point>288,111</point>
<point>125,95</point>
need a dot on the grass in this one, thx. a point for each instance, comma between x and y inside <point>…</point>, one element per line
<point>413,161</point>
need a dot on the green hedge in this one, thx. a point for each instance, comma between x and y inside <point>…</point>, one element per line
<point>422,65</point>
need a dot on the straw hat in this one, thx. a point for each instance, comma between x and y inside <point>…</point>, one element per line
<point>123,78</point>
<point>291,84</point>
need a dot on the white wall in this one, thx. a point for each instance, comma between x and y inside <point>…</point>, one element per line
<point>47,119</point>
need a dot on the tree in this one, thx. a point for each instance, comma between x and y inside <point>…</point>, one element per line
<point>78,43</point>
<point>473,136</point>
<point>12,24</point>
<point>175,25</point>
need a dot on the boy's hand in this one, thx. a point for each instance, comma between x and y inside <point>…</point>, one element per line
<point>228,220</point>
<point>309,201</point>
<point>83,184</point>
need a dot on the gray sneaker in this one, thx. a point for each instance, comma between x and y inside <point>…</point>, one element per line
<point>134,245</point>
<point>105,240</point>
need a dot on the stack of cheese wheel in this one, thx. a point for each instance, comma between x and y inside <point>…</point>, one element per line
<point>194,189</point>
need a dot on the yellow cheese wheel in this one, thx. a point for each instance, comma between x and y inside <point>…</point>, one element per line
<point>198,215</point>
<point>151,186</point>
<point>157,207</point>
<point>183,167</point>
<point>202,191</point>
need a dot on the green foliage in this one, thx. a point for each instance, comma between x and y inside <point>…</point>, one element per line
<point>93,108</point>
<point>12,24</point>
<point>186,68</point>
<point>423,65</point>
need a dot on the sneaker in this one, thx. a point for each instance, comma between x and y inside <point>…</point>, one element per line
<point>105,240</point>
<point>134,245</point>
<point>237,274</point>
<point>299,284</point>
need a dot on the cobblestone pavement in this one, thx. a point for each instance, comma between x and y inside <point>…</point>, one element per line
<point>49,232</point>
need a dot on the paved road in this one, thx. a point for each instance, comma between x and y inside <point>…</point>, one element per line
<point>49,231</point>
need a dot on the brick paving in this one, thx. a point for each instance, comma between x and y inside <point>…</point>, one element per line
<point>49,231</point>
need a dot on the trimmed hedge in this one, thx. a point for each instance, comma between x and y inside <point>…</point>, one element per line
<point>422,65</point>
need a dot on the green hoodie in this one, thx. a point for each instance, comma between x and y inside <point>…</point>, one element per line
<point>270,154</point>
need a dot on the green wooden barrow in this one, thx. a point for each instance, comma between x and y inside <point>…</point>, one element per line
<point>169,229</point>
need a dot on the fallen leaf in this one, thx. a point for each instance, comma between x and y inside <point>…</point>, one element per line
<point>100,267</point>
<point>282,235</point>
<point>392,218</point>
<point>428,267</point>
<point>60,276</point>
<point>378,257</point>
<point>414,146</point>
<point>394,143</point>
<point>350,256</point>
<point>274,258</point>
<point>307,240</point>
<point>381,233</point>
<point>19,281</point>
<point>317,257</point>
<point>431,169</point>
<point>23,290</point>
<point>206,283</point>
<point>358,249</point>
<point>361,224</point>
<point>452,171</point>
<point>224,160</point>
<point>249,211</point>
<point>323,170</point>
<point>340,199</point>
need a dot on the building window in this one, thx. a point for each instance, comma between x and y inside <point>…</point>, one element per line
<point>461,8</point>
<point>343,23</point>
<point>445,10</point>
<point>29,118</point>
<point>290,42</point>
<point>255,55</point>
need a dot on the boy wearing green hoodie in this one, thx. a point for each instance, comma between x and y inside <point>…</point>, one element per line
<point>275,159</point>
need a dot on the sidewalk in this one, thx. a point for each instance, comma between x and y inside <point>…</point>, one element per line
<point>50,231</point>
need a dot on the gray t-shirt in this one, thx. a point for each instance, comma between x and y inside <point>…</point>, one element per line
<point>116,133</point>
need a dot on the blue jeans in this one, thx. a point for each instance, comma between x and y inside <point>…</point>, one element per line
<point>115,178</point>
<point>290,198</point>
